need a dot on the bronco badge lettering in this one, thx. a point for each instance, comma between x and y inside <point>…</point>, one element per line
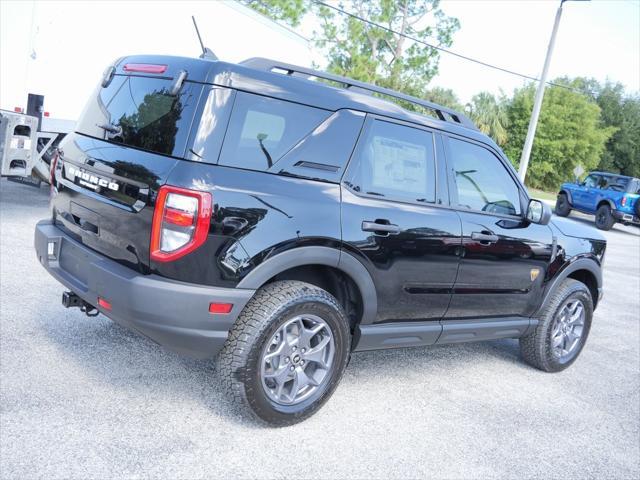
<point>92,181</point>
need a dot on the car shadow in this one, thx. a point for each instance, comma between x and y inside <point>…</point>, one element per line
<point>128,362</point>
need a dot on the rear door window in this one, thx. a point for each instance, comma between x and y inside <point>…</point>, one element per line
<point>395,162</point>
<point>140,112</point>
<point>262,129</point>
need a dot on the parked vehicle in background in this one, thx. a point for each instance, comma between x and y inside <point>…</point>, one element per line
<point>611,198</point>
<point>280,222</point>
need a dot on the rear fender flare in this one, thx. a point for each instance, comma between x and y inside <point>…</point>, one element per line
<point>315,255</point>
<point>608,201</point>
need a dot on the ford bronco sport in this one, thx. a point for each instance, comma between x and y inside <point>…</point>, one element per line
<point>252,212</point>
<point>612,198</point>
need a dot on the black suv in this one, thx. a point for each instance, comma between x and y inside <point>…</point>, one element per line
<point>283,218</point>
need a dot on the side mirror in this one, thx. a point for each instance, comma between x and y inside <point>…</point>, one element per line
<point>538,212</point>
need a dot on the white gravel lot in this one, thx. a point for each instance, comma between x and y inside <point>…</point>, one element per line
<point>84,398</point>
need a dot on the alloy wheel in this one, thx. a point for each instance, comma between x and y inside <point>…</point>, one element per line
<point>297,360</point>
<point>567,330</point>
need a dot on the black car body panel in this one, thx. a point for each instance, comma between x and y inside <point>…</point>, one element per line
<point>299,191</point>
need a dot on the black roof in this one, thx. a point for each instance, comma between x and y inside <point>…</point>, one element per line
<point>296,84</point>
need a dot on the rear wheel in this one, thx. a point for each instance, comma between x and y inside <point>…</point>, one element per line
<point>604,219</point>
<point>563,209</point>
<point>562,330</point>
<point>286,352</point>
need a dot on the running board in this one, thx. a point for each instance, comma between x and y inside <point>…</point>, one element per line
<point>416,334</point>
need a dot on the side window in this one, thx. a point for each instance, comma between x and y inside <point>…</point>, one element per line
<point>591,181</point>
<point>603,182</point>
<point>482,181</point>
<point>262,129</point>
<point>394,161</point>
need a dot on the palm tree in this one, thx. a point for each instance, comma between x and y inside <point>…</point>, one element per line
<point>490,115</point>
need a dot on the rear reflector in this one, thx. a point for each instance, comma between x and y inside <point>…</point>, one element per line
<point>104,304</point>
<point>145,68</point>
<point>217,308</point>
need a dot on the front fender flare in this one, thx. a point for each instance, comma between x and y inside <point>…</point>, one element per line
<point>568,194</point>
<point>583,263</point>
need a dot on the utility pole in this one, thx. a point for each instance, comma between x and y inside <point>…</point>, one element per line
<point>537,104</point>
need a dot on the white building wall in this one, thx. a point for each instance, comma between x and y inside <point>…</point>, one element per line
<point>74,41</point>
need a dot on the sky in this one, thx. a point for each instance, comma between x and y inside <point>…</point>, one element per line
<point>599,38</point>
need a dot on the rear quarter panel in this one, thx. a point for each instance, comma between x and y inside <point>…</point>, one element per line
<point>256,215</point>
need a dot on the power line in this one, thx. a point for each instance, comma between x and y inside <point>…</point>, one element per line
<point>436,47</point>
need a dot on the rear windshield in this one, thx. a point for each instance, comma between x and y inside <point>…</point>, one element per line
<point>139,112</point>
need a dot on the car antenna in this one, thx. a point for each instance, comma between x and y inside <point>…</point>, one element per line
<point>206,52</point>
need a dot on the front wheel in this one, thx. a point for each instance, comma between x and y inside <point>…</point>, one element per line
<point>604,218</point>
<point>562,330</point>
<point>563,209</point>
<point>286,352</point>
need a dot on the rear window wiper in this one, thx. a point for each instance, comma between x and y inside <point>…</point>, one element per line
<point>112,130</point>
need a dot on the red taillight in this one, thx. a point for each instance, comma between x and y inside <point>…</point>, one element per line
<point>145,68</point>
<point>218,308</point>
<point>104,303</point>
<point>623,202</point>
<point>180,222</point>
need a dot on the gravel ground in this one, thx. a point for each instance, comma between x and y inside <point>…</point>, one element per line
<point>82,397</point>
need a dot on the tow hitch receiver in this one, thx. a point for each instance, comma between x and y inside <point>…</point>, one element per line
<point>70,300</point>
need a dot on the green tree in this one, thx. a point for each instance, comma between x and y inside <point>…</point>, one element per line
<point>490,115</point>
<point>289,11</point>
<point>622,151</point>
<point>569,133</point>
<point>372,54</point>
<point>443,96</point>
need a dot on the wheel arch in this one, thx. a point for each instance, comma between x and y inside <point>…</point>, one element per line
<point>568,195</point>
<point>606,201</point>
<point>314,264</point>
<point>585,270</point>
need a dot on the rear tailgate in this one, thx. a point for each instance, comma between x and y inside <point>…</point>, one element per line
<point>131,134</point>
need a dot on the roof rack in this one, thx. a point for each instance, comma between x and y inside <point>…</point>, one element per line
<point>443,113</point>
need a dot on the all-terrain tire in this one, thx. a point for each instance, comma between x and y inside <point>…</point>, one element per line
<point>239,363</point>
<point>563,208</point>
<point>604,218</point>
<point>536,347</point>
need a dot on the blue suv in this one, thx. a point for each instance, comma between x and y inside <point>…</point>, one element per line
<point>612,198</point>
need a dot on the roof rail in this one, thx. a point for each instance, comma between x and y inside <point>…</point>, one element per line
<point>443,113</point>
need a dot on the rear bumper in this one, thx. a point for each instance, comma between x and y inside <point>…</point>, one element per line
<point>625,217</point>
<point>171,313</point>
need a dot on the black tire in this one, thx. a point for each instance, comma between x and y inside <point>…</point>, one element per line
<point>536,348</point>
<point>240,360</point>
<point>563,208</point>
<point>604,219</point>
<point>636,208</point>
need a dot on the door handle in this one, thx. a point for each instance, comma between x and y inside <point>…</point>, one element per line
<point>485,237</point>
<point>380,227</point>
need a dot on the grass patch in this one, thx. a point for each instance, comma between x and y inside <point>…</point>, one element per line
<point>541,194</point>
